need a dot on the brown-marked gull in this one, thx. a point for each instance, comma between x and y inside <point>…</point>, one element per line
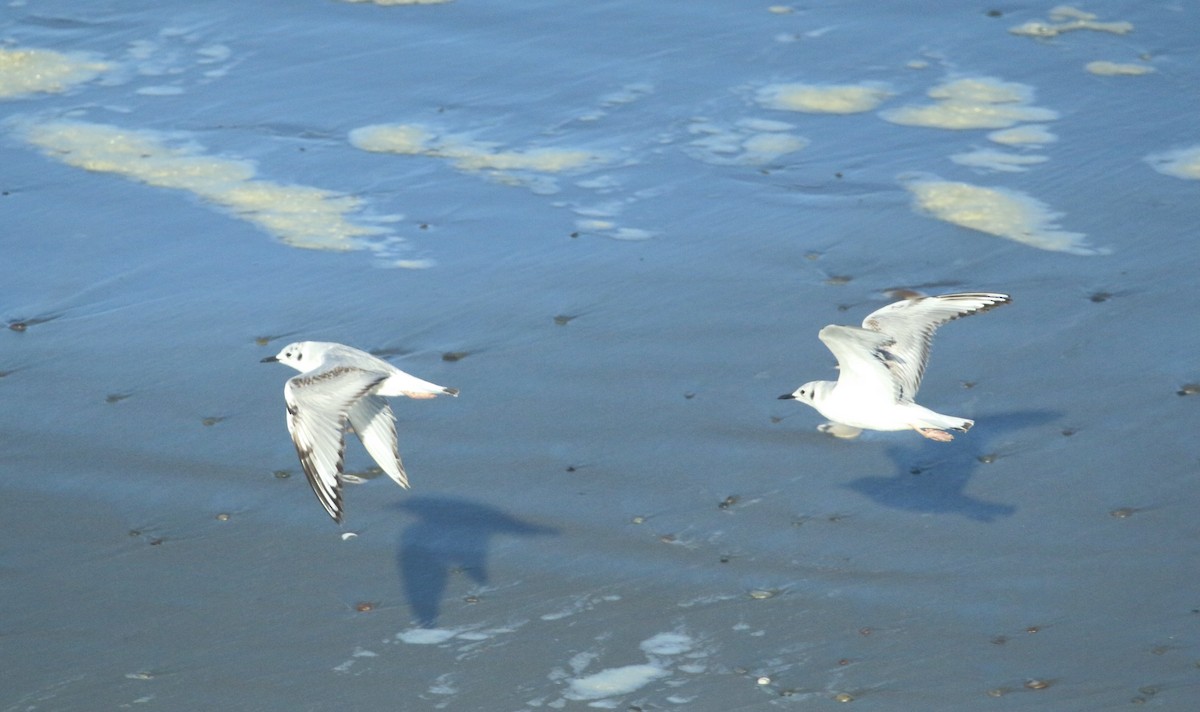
<point>881,365</point>
<point>339,383</point>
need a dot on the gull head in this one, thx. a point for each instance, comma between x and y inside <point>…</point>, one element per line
<point>810,393</point>
<point>302,355</point>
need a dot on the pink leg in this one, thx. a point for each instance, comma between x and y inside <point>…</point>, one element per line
<point>940,436</point>
<point>421,396</point>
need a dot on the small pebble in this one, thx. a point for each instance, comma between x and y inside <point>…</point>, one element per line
<point>638,520</point>
<point>843,697</point>
<point>116,397</point>
<point>364,607</point>
<point>762,593</point>
<point>728,502</point>
<point>689,395</point>
<point>988,458</point>
<point>902,293</point>
<point>211,421</point>
<point>997,692</point>
<point>838,279</point>
<point>222,517</point>
<point>667,538</point>
<point>452,356</point>
<point>1122,513</point>
<point>262,340</point>
<point>1189,389</point>
<point>563,319</point>
<point>1099,297</point>
<point>1068,432</point>
<point>864,631</point>
<point>763,680</point>
<point>999,640</point>
<point>471,599</point>
<point>140,675</point>
<point>282,474</point>
<point>1033,629</point>
<point>1037,684</point>
<point>347,536</point>
<point>18,326</point>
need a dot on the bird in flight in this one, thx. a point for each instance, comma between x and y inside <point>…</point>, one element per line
<point>881,365</point>
<point>339,383</point>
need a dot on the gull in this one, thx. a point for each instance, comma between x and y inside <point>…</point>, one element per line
<point>881,365</point>
<point>339,383</point>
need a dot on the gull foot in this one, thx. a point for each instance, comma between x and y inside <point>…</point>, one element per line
<point>940,436</point>
<point>837,430</point>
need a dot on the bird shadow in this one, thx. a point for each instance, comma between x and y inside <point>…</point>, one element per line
<point>930,480</point>
<point>450,536</point>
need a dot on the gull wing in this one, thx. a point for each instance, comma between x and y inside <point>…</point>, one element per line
<point>863,366</point>
<point>317,403</point>
<point>375,425</point>
<point>911,324</point>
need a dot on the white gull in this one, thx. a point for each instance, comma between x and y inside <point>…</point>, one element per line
<point>339,383</point>
<point>881,365</point>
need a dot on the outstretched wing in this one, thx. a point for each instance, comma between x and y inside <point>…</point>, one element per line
<point>863,369</point>
<point>316,407</point>
<point>375,425</point>
<point>910,324</point>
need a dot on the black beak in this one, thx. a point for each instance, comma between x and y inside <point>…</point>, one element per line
<point>787,396</point>
<point>269,359</point>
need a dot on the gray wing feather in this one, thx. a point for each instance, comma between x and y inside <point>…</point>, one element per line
<point>375,425</point>
<point>862,361</point>
<point>316,405</point>
<point>911,324</point>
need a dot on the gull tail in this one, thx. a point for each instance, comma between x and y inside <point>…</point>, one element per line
<point>962,425</point>
<point>944,422</point>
